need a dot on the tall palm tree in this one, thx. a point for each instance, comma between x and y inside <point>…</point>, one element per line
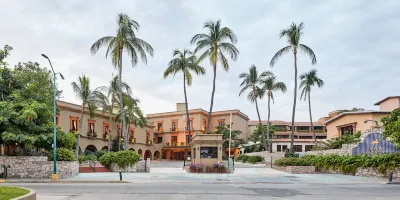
<point>218,42</point>
<point>309,80</point>
<point>184,62</point>
<point>90,99</point>
<point>293,35</point>
<point>269,85</point>
<point>112,93</point>
<point>125,39</point>
<point>251,80</point>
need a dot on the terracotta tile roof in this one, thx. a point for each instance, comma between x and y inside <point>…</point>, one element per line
<point>280,122</point>
<point>354,113</point>
<point>390,97</point>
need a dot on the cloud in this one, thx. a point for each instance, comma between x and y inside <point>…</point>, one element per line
<point>355,42</point>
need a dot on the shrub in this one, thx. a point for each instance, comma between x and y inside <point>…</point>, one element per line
<point>100,153</point>
<point>90,157</point>
<point>63,154</point>
<point>122,159</point>
<point>290,154</point>
<point>81,159</point>
<point>292,161</point>
<point>107,159</point>
<point>240,157</point>
<point>255,159</point>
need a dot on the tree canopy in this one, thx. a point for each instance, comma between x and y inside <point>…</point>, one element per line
<point>391,125</point>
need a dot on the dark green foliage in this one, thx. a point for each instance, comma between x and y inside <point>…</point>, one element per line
<point>336,143</point>
<point>122,159</point>
<point>100,153</point>
<point>346,164</point>
<point>224,130</point>
<point>255,159</point>
<point>391,126</point>
<point>63,154</point>
<point>256,135</point>
<point>290,154</point>
<point>90,157</point>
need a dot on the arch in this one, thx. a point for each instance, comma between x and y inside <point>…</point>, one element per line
<point>91,148</point>
<point>105,148</point>
<point>156,155</point>
<point>147,154</point>
<point>131,149</point>
<point>140,152</point>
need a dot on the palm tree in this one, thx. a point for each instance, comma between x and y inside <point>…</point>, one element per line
<point>90,99</point>
<point>112,93</point>
<point>184,62</point>
<point>293,35</point>
<point>252,80</point>
<point>218,42</point>
<point>269,85</point>
<point>125,39</point>
<point>308,80</point>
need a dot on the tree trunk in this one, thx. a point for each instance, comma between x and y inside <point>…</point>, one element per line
<point>119,137</point>
<point>260,123</point>
<point>294,98</point>
<point>212,99</point>
<point>121,103</point>
<point>187,108</point>
<point>269,114</point>
<point>78,137</point>
<point>109,132</point>
<point>309,110</point>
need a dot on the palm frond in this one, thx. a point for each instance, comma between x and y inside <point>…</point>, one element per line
<point>228,33</point>
<point>229,49</point>
<point>279,54</point>
<point>100,42</point>
<point>307,50</point>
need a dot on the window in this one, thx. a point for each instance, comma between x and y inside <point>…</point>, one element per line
<point>159,140</point>
<point>159,127</point>
<point>321,137</point>
<point>303,129</point>
<point>191,125</point>
<point>132,136</point>
<point>57,120</point>
<point>187,139</point>
<point>284,147</point>
<point>173,126</point>
<point>298,148</point>
<point>221,123</point>
<point>74,124</point>
<point>204,125</point>
<point>106,129</point>
<point>309,147</point>
<point>305,137</point>
<point>91,126</point>
<point>208,152</point>
<point>279,148</point>
<point>174,140</point>
<point>148,139</point>
<point>346,130</point>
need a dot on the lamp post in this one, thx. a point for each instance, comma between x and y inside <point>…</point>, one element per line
<point>54,175</point>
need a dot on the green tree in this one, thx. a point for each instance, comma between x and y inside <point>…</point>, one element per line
<point>125,39</point>
<point>251,81</point>
<point>257,133</point>
<point>111,102</point>
<point>91,99</point>
<point>269,85</point>
<point>184,62</point>
<point>4,54</point>
<point>293,35</point>
<point>226,134</point>
<point>218,42</point>
<point>391,126</point>
<point>308,80</point>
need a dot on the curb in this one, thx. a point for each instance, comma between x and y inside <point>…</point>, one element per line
<point>30,196</point>
<point>393,183</point>
<point>60,181</point>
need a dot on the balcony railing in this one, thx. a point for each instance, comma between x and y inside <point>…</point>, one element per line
<point>174,129</point>
<point>160,130</point>
<point>149,142</point>
<point>91,134</point>
<point>176,144</point>
<point>132,140</point>
<point>303,130</point>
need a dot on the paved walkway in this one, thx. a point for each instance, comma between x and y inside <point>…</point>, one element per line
<point>167,164</point>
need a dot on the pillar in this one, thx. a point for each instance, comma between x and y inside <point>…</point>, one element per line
<point>2,149</point>
<point>185,154</point>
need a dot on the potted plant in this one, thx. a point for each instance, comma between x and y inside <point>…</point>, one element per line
<point>193,168</point>
<point>208,169</point>
<point>182,143</point>
<point>200,168</point>
<point>216,167</point>
<point>223,169</point>
<point>94,134</point>
<point>89,134</point>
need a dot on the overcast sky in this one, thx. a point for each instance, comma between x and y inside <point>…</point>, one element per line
<point>356,43</point>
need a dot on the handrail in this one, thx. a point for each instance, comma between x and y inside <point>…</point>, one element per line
<point>92,166</point>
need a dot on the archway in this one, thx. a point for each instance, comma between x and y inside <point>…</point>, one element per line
<point>105,148</point>
<point>147,154</point>
<point>91,148</point>
<point>131,149</point>
<point>140,153</point>
<point>156,155</point>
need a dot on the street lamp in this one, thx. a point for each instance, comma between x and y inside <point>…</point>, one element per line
<point>54,175</point>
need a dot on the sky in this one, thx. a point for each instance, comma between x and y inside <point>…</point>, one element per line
<point>356,44</point>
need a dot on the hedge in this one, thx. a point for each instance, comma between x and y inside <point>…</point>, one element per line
<point>122,159</point>
<point>249,159</point>
<point>346,164</point>
<point>63,154</point>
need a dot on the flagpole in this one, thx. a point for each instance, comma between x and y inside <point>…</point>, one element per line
<point>230,135</point>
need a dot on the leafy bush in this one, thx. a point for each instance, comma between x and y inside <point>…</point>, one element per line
<point>336,143</point>
<point>81,159</point>
<point>63,154</point>
<point>290,154</point>
<point>90,157</point>
<point>122,159</point>
<point>240,157</point>
<point>346,164</point>
<point>100,153</point>
<point>255,159</point>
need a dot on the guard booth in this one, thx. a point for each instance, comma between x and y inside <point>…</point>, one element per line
<point>207,149</point>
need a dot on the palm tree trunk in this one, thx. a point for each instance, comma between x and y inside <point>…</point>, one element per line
<point>309,110</point>
<point>109,133</point>
<point>294,98</point>
<point>269,114</point>
<point>187,107</point>
<point>212,99</point>
<point>260,123</point>
<point>78,137</point>
<point>121,104</point>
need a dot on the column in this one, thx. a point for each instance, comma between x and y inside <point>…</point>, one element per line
<point>2,149</point>
<point>185,154</point>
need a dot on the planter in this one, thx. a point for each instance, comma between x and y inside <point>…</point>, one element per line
<point>215,170</point>
<point>223,170</point>
<point>199,170</point>
<point>192,170</point>
<point>208,170</point>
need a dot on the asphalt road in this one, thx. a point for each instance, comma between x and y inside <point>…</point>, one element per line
<point>178,191</point>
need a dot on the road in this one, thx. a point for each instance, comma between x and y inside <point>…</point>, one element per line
<point>178,191</point>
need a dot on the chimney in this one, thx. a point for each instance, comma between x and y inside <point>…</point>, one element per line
<point>180,107</point>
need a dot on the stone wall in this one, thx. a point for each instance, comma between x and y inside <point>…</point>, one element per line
<point>367,172</point>
<point>296,169</point>
<point>138,167</point>
<point>346,149</point>
<point>37,167</point>
<point>267,155</point>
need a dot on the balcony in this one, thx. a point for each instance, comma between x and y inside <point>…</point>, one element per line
<point>176,144</point>
<point>106,136</point>
<point>91,134</point>
<point>174,129</point>
<point>132,140</point>
<point>159,130</point>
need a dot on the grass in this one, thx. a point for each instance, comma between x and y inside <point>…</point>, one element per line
<point>7,192</point>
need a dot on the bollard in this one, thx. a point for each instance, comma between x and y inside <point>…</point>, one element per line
<point>390,177</point>
<point>145,165</point>
<point>271,162</point>
<point>120,176</point>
